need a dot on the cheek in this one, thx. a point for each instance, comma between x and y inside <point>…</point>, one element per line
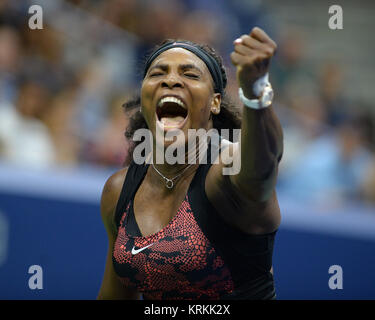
<point>145,97</point>
<point>148,89</point>
<point>205,113</point>
<point>205,109</point>
<point>146,102</point>
<point>201,116</point>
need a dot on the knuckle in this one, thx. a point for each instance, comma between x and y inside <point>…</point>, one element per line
<point>233,56</point>
<point>244,37</point>
<point>255,29</point>
<point>269,50</point>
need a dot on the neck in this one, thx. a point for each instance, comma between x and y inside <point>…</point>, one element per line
<point>181,169</point>
<point>171,164</point>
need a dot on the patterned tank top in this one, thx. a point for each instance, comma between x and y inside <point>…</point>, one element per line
<point>196,256</point>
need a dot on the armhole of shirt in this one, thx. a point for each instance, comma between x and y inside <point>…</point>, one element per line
<point>238,249</point>
<point>126,193</point>
<point>122,200</point>
<point>133,179</point>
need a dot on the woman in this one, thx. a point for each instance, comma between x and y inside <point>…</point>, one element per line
<point>186,231</point>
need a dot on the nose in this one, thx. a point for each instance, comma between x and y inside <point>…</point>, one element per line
<point>172,81</point>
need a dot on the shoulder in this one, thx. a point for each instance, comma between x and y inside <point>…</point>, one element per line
<point>224,161</point>
<point>114,183</point>
<point>110,195</point>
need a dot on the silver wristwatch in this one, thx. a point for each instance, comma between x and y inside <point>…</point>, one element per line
<point>262,88</point>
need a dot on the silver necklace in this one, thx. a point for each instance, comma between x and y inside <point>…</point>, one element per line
<point>169,182</point>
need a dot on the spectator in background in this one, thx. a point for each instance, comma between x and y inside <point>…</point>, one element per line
<point>43,57</point>
<point>332,167</point>
<point>123,13</point>
<point>61,120</point>
<point>10,62</point>
<point>290,64</point>
<point>367,188</point>
<point>110,145</point>
<point>24,138</point>
<point>202,27</point>
<point>304,121</point>
<point>158,20</point>
<point>92,98</point>
<point>330,80</point>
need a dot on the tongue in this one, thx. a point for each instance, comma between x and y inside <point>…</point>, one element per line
<point>172,121</point>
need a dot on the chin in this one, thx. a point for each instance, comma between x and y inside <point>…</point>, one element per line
<point>172,136</point>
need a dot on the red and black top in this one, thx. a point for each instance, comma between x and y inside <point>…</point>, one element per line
<point>196,256</point>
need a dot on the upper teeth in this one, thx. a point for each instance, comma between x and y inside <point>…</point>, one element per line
<point>171,99</point>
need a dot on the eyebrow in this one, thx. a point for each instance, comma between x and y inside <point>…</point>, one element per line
<point>191,66</point>
<point>187,66</point>
<point>159,66</point>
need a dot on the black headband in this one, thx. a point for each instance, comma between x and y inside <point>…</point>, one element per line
<point>210,62</point>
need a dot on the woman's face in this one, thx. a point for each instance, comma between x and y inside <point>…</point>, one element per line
<point>177,93</point>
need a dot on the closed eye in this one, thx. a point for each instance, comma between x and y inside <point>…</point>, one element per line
<point>155,74</point>
<point>191,75</point>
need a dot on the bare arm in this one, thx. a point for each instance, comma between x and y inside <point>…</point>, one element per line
<point>261,132</point>
<point>250,194</point>
<point>261,151</point>
<point>111,287</point>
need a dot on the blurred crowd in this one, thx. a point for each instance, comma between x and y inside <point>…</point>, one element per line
<point>62,88</point>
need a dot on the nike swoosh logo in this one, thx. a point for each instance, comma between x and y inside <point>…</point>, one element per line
<point>135,251</point>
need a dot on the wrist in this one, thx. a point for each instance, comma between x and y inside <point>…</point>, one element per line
<point>249,94</point>
<point>255,90</point>
<point>262,94</point>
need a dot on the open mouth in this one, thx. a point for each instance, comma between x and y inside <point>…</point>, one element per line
<point>171,112</point>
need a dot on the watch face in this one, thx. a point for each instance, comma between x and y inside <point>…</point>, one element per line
<point>267,97</point>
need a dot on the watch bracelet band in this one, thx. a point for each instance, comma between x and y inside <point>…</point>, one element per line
<point>258,89</point>
<point>252,103</point>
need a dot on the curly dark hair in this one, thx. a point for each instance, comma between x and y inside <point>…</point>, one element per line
<point>228,118</point>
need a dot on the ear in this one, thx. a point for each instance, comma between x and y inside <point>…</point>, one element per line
<point>215,103</point>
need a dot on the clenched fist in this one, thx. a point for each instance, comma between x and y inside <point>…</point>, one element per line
<point>251,56</point>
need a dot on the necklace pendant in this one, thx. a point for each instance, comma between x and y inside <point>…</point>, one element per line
<point>169,183</point>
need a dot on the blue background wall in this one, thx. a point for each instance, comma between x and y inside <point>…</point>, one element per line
<point>62,232</point>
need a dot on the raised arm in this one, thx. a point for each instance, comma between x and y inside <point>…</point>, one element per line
<point>247,198</point>
<point>111,287</point>
<point>261,132</point>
